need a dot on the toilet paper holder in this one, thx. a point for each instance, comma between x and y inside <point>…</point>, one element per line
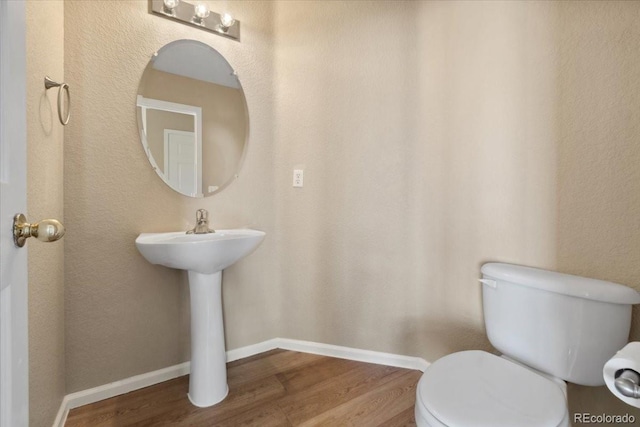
<point>627,383</point>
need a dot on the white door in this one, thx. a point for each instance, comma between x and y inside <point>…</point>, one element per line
<point>181,161</point>
<point>14,381</point>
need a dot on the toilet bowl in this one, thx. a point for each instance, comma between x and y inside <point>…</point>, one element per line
<point>476,388</point>
<point>550,328</point>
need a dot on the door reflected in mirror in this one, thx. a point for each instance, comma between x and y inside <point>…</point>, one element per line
<point>192,118</point>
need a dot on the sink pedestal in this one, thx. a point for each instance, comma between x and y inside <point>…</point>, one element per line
<point>208,379</point>
<point>204,256</point>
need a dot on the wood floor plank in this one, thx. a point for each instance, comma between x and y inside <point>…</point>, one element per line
<point>374,407</point>
<point>239,400</point>
<point>263,415</point>
<point>335,391</point>
<point>266,366</point>
<point>405,418</point>
<point>274,389</point>
<point>135,406</point>
<point>305,376</point>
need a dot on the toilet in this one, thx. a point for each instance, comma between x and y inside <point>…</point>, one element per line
<point>550,328</point>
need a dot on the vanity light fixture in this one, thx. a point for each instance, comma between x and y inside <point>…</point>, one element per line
<point>200,13</point>
<point>169,5</point>
<point>226,22</point>
<point>197,15</point>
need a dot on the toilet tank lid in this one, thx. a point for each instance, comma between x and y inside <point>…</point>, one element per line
<point>560,283</point>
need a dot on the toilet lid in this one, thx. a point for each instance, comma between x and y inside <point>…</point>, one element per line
<point>475,388</point>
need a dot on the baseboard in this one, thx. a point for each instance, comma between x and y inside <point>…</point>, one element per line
<point>127,385</point>
<point>63,412</point>
<point>253,349</point>
<point>116,388</point>
<point>359,355</point>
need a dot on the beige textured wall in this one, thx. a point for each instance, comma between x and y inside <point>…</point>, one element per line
<point>45,56</point>
<point>599,157</point>
<point>472,132</point>
<point>478,131</point>
<point>125,316</point>
<point>428,149</point>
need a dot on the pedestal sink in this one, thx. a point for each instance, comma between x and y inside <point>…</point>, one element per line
<point>204,256</point>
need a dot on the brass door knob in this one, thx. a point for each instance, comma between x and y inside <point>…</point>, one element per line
<point>47,230</point>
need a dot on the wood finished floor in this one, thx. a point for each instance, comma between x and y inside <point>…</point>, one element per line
<point>276,388</point>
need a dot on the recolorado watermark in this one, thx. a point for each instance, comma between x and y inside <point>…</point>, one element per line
<point>587,418</point>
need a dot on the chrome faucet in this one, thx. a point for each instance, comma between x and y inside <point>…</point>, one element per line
<point>202,223</point>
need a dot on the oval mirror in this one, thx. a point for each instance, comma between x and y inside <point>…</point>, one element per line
<point>192,118</point>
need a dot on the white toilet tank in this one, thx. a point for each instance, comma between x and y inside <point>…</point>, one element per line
<point>563,325</point>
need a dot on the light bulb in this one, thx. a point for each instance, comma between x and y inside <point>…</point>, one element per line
<point>169,5</point>
<point>202,11</point>
<point>226,20</point>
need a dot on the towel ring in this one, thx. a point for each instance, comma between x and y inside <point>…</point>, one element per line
<point>48,84</point>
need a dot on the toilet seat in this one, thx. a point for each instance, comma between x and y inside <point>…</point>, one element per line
<point>476,388</point>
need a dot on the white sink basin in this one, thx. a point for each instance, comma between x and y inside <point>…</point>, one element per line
<point>202,253</point>
<point>204,256</point>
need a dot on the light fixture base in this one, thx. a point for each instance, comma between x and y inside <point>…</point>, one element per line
<point>185,12</point>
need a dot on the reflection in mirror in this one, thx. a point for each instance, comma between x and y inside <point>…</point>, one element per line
<point>192,117</point>
<point>172,139</point>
